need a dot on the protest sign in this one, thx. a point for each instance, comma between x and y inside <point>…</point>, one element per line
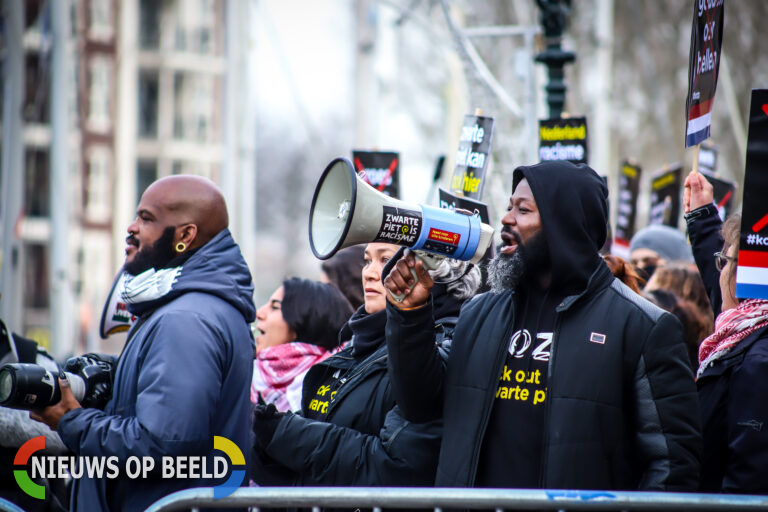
<point>472,157</point>
<point>752,272</point>
<point>703,68</point>
<point>629,189</point>
<point>707,159</point>
<point>665,196</point>
<point>724,192</point>
<point>563,139</point>
<point>380,169</point>
<point>452,202</point>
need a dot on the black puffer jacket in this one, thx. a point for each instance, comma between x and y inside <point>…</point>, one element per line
<point>622,410</point>
<point>364,440</point>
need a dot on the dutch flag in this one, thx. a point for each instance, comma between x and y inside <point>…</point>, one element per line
<point>752,275</point>
<point>699,120</point>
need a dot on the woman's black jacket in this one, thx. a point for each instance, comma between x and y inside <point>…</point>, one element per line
<point>734,413</point>
<point>734,410</point>
<point>364,440</point>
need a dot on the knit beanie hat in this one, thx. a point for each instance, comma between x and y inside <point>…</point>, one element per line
<point>668,242</point>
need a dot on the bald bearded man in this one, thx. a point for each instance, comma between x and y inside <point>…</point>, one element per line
<point>185,371</point>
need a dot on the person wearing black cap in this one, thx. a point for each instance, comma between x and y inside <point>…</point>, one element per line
<point>560,376</point>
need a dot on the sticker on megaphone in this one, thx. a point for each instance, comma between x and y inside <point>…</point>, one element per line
<point>434,230</point>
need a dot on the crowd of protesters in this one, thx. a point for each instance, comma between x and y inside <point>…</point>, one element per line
<point>575,370</point>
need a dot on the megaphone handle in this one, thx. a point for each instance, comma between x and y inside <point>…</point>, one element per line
<point>429,261</point>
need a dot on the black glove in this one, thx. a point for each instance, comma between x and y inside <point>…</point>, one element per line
<point>265,421</point>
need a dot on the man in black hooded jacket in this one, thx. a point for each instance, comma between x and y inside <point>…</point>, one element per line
<point>561,376</point>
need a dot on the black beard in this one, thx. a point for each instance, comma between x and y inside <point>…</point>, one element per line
<point>154,256</point>
<point>507,271</point>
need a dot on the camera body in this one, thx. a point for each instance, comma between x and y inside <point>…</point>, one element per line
<point>30,386</point>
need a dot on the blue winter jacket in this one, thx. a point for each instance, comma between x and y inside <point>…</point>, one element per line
<point>183,378</point>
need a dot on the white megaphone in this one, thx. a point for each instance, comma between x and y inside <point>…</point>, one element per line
<point>115,316</point>
<point>347,211</point>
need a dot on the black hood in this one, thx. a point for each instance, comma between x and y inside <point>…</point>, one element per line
<point>573,204</point>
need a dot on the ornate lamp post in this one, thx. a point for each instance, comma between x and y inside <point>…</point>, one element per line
<point>553,20</point>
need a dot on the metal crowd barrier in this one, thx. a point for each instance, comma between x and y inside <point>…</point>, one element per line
<point>437,499</point>
<point>7,506</point>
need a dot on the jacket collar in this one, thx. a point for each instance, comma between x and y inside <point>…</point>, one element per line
<point>600,278</point>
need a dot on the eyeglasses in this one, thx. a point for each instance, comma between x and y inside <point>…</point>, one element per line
<point>722,259</point>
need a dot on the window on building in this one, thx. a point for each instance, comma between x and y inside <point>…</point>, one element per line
<point>192,106</point>
<point>36,89</point>
<point>99,108</point>
<point>100,20</point>
<point>150,12</point>
<point>148,104</point>
<point>195,23</point>
<point>36,287</point>
<point>97,196</point>
<point>205,40</point>
<point>36,183</point>
<point>146,174</point>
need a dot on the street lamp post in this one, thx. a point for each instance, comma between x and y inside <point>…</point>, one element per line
<point>553,20</point>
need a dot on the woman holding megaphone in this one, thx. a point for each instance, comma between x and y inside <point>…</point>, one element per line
<point>350,431</point>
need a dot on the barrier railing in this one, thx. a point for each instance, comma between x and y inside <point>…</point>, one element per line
<point>436,499</point>
<point>7,506</point>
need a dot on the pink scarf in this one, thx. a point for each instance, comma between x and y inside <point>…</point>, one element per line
<point>732,326</point>
<point>278,373</point>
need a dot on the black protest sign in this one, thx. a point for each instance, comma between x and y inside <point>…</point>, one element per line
<point>629,189</point>
<point>399,226</point>
<point>707,159</point>
<point>379,169</point>
<point>452,202</point>
<point>724,192</point>
<point>665,196</point>
<point>703,68</point>
<point>752,272</point>
<point>472,157</point>
<point>563,139</point>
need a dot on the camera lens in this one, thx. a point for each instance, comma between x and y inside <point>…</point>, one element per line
<point>6,384</point>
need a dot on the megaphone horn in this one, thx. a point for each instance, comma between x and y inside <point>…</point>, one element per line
<point>347,211</point>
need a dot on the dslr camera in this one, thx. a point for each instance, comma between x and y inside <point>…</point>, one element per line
<point>30,386</point>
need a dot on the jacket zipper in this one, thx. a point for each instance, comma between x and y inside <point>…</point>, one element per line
<point>547,406</point>
<point>344,380</point>
<point>565,305</point>
<point>475,460</point>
